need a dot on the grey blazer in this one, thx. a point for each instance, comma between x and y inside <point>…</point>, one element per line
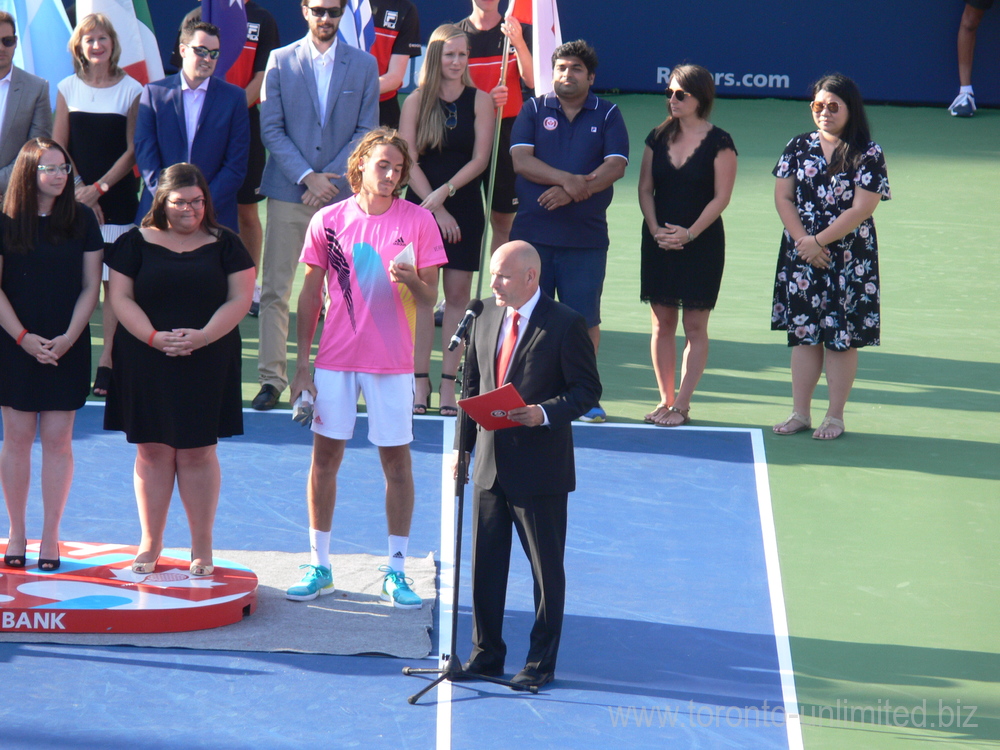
<point>28,115</point>
<point>290,117</point>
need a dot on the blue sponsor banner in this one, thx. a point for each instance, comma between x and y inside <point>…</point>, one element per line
<point>897,50</point>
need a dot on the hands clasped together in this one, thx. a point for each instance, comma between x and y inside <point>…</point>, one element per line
<point>672,236</point>
<point>180,342</point>
<point>46,351</point>
<point>813,253</point>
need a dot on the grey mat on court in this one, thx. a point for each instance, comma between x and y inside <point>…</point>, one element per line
<point>353,620</point>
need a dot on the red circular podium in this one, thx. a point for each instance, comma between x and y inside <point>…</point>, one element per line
<point>95,591</point>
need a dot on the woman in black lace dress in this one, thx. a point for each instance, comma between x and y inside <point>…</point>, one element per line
<point>685,183</point>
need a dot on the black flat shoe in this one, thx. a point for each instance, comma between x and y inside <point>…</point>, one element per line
<point>267,398</point>
<point>48,565</point>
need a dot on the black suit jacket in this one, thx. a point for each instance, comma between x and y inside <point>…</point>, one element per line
<point>555,367</point>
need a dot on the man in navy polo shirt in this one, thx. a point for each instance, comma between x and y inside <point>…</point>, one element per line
<point>569,147</point>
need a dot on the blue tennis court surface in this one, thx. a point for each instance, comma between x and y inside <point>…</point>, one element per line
<point>674,633</point>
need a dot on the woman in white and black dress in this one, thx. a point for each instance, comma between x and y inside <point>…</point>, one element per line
<point>96,110</point>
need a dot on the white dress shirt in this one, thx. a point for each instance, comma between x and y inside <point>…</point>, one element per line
<point>4,90</point>
<point>194,101</point>
<point>322,64</point>
<point>524,311</point>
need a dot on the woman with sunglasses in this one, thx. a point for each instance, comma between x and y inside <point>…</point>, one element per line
<point>50,276</point>
<point>685,183</point>
<point>95,121</point>
<point>826,289</point>
<point>180,285</point>
<point>448,123</point>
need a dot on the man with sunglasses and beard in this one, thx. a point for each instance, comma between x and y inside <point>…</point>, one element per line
<point>195,118</point>
<point>25,112</point>
<point>320,97</point>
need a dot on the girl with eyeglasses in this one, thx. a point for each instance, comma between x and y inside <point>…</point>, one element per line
<point>448,123</point>
<point>96,110</point>
<point>826,289</point>
<point>685,183</point>
<point>180,284</point>
<point>50,274</point>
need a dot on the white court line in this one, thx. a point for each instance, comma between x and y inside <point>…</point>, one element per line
<point>793,725</point>
<point>447,595</point>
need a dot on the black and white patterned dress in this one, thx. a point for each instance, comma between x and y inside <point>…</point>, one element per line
<point>838,306</point>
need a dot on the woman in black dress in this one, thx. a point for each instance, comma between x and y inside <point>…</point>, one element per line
<point>50,276</point>
<point>180,285</point>
<point>685,183</point>
<point>96,111</point>
<point>447,122</point>
<point>826,289</point>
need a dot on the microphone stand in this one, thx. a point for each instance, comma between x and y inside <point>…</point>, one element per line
<point>453,670</point>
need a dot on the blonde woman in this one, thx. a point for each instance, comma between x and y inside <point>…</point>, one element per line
<point>96,111</point>
<point>447,123</point>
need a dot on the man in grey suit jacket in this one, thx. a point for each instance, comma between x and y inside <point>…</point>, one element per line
<point>320,97</point>
<point>25,112</point>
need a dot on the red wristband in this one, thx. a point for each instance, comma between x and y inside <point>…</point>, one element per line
<point>21,335</point>
<point>151,337</point>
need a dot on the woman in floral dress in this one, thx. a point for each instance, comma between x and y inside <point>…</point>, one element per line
<point>826,289</point>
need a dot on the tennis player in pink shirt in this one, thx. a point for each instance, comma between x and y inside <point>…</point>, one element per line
<point>359,248</point>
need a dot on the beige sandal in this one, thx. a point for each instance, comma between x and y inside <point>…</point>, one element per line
<point>827,423</point>
<point>782,428</point>
<point>651,417</point>
<point>674,410</point>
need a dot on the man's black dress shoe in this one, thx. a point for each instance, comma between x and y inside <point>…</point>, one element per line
<point>471,670</point>
<point>531,677</point>
<point>266,399</point>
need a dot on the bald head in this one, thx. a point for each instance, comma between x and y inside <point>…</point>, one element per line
<point>514,272</point>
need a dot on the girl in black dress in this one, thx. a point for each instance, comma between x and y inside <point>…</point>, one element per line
<point>50,274</point>
<point>180,285</point>
<point>448,123</point>
<point>685,183</point>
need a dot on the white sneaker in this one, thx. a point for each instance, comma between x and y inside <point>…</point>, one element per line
<point>963,106</point>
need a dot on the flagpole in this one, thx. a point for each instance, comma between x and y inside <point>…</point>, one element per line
<point>488,231</point>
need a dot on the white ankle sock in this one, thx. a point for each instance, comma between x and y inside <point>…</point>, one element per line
<point>966,90</point>
<point>397,552</point>
<point>319,548</point>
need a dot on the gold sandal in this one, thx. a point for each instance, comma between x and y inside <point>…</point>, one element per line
<point>782,428</point>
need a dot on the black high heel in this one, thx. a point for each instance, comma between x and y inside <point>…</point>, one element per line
<point>15,561</point>
<point>421,409</point>
<point>448,411</point>
<point>49,565</point>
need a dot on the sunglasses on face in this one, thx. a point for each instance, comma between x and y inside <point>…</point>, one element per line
<point>8,41</point>
<point>679,93</point>
<point>51,169</point>
<point>211,54</point>
<point>831,107</point>
<point>196,205</point>
<point>318,12</point>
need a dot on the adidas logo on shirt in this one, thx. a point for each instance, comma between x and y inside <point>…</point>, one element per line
<point>400,242</point>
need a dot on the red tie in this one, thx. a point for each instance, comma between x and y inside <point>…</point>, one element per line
<point>507,349</point>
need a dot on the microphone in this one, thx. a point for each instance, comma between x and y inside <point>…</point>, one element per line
<point>473,311</point>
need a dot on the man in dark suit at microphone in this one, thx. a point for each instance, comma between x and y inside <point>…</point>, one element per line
<point>523,475</point>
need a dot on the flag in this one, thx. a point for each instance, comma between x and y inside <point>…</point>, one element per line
<point>357,28</point>
<point>43,33</point>
<point>543,15</point>
<point>231,18</point>
<point>140,56</point>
